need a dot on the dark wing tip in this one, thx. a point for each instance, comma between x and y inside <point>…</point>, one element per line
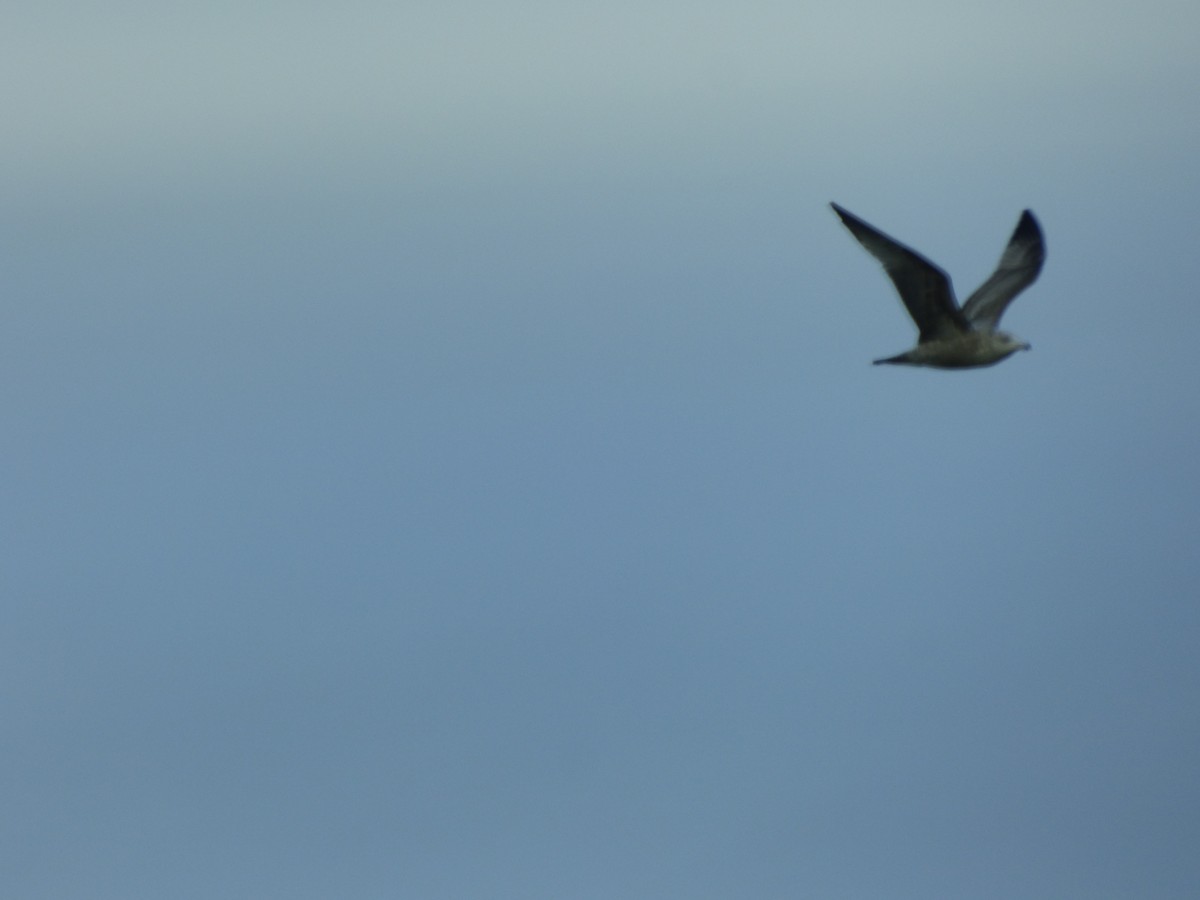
<point>1028,237</point>
<point>1027,228</point>
<point>860,229</point>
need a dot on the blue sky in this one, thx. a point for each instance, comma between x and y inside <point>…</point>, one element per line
<point>442,457</point>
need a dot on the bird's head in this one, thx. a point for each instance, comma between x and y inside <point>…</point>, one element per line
<point>1012,343</point>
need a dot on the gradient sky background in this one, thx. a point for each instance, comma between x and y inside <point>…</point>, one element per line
<point>441,457</point>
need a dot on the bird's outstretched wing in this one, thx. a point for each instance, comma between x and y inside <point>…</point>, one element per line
<point>1018,269</point>
<point>924,288</point>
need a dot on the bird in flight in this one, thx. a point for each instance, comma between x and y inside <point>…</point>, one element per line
<point>952,337</point>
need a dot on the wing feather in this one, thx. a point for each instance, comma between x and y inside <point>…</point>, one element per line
<point>1019,267</point>
<point>924,288</point>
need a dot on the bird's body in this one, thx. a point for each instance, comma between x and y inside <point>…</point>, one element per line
<point>952,337</point>
<point>965,351</point>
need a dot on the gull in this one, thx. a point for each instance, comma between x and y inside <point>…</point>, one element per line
<point>950,337</point>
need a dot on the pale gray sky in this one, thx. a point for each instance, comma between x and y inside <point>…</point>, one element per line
<point>442,457</point>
